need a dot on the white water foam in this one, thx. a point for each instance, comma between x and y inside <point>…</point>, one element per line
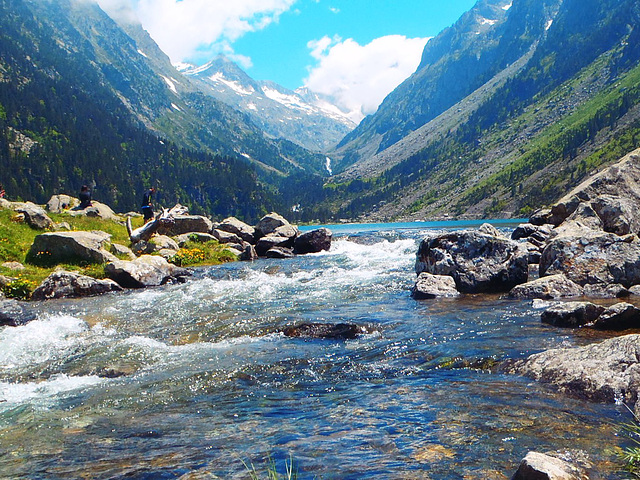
<point>40,341</point>
<point>45,391</point>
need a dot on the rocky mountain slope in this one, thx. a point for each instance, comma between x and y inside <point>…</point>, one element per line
<point>84,99</point>
<point>519,107</point>
<point>302,117</point>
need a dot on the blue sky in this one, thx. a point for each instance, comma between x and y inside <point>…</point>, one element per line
<point>280,52</point>
<point>354,51</point>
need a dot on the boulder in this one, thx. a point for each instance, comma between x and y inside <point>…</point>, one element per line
<point>540,217</point>
<point>588,256</point>
<point>186,224</point>
<point>338,331</point>
<point>489,229</point>
<point>621,180</point>
<point>96,210</point>
<point>122,251</point>
<point>145,271</point>
<point>606,371</point>
<point>14,313</point>
<point>198,237</point>
<point>476,261</point>
<point>617,214</point>
<point>269,223</point>
<point>249,253</point>
<point>279,252</point>
<point>539,466</point>
<point>34,215</point>
<point>270,241</point>
<point>16,266</point>
<point>600,290</point>
<point>572,314</point>
<point>64,284</point>
<point>225,237</point>
<point>60,203</point>
<point>620,316</point>
<point>156,244</point>
<point>60,247</point>
<point>553,286</point>
<point>313,242</point>
<point>238,228</point>
<point>432,286</point>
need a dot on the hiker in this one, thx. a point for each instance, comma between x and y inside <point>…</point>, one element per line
<point>85,197</point>
<point>147,204</point>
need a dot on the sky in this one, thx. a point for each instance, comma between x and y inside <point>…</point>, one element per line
<point>356,51</point>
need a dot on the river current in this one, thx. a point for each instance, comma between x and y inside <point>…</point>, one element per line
<point>195,381</point>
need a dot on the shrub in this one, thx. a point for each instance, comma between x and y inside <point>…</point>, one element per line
<point>20,288</point>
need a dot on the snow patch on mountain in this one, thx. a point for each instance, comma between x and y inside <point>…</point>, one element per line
<point>235,86</point>
<point>170,83</point>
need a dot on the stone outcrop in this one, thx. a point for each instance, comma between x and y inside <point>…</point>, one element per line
<point>61,247</point>
<point>269,223</point>
<point>476,261</point>
<point>64,284</point>
<point>145,271</point>
<point>270,241</point>
<point>547,288</point>
<point>606,371</point>
<point>432,286</point>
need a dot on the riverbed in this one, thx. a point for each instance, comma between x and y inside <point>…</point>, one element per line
<point>195,380</point>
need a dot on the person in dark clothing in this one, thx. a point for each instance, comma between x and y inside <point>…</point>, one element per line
<point>85,197</point>
<point>147,204</point>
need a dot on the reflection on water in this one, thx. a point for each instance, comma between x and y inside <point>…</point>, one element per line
<point>191,380</point>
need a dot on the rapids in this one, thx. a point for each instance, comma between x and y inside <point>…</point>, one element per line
<point>194,381</point>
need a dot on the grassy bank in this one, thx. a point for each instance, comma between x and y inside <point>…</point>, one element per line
<point>16,238</point>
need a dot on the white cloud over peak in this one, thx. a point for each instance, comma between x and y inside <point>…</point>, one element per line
<point>358,76</point>
<point>187,28</point>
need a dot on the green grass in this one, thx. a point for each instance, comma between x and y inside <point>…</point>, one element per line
<point>290,470</point>
<point>17,237</point>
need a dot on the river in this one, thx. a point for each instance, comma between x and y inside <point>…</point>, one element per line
<point>193,380</point>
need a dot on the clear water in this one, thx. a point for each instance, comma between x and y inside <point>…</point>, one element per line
<point>194,380</point>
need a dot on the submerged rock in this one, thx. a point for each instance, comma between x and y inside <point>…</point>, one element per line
<point>14,313</point>
<point>338,331</point>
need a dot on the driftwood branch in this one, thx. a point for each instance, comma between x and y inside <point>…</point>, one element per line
<point>162,219</point>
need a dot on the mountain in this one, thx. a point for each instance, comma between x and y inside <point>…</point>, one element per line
<point>84,99</point>
<point>302,117</point>
<point>510,107</point>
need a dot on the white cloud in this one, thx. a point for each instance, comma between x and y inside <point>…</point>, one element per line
<point>186,29</point>
<point>358,76</point>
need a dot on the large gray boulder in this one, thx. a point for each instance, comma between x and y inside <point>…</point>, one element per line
<point>225,237</point>
<point>186,224</point>
<point>476,261</point>
<point>145,271</point>
<point>60,247</point>
<point>547,288</point>
<point>313,242</point>
<point>607,371</point>
<point>198,237</point>
<point>269,223</point>
<point>238,228</point>
<point>620,316</point>
<point>34,215</point>
<point>60,203</point>
<point>64,284</point>
<point>14,313</point>
<point>96,210</point>
<point>433,286</point>
<point>588,256</point>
